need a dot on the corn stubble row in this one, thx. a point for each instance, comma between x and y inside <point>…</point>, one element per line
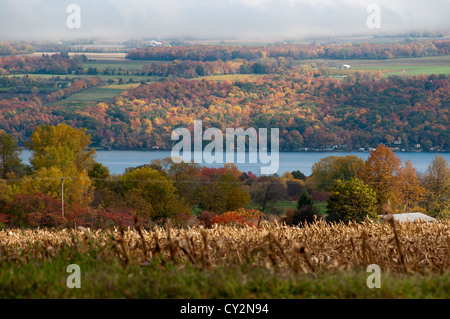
<point>396,247</point>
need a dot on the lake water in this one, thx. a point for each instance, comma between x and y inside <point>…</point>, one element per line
<point>118,161</point>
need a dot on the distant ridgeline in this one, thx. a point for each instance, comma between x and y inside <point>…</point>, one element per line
<point>362,110</point>
<point>294,51</point>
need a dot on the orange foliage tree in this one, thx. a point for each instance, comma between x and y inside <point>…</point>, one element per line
<point>380,171</point>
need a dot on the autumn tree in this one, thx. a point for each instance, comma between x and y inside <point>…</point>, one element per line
<point>46,180</point>
<point>351,200</point>
<point>331,168</point>
<point>225,193</point>
<point>61,153</point>
<point>6,192</point>
<point>232,169</point>
<point>410,191</point>
<point>98,171</point>
<point>380,172</point>
<point>437,184</point>
<point>294,187</point>
<point>161,165</point>
<point>186,177</point>
<point>268,190</point>
<point>160,197</point>
<point>61,146</point>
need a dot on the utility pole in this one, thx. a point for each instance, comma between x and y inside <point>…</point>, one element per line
<point>62,196</point>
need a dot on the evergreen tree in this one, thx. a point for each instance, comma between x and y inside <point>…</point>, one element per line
<point>305,211</point>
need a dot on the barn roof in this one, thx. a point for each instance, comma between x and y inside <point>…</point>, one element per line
<point>411,217</point>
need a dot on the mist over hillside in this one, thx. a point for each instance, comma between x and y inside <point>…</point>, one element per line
<point>231,19</point>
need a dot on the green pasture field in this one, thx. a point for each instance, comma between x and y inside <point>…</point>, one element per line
<point>120,64</point>
<point>121,86</point>
<point>403,66</point>
<point>422,70</point>
<point>92,96</point>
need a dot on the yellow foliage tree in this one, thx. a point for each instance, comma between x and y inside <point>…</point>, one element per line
<point>60,152</point>
<point>331,168</point>
<point>160,196</point>
<point>61,146</point>
<point>6,192</point>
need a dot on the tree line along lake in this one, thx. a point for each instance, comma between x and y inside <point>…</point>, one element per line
<point>118,160</point>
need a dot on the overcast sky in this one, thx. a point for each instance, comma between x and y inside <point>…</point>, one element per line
<point>228,19</point>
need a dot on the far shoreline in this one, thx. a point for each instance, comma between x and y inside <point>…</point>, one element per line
<point>246,151</point>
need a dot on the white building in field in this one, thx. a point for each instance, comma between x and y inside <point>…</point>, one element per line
<point>411,217</point>
<point>345,66</point>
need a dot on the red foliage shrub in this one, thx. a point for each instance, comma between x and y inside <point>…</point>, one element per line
<point>79,216</point>
<point>109,218</point>
<point>4,218</point>
<point>241,217</point>
<point>43,220</point>
<point>211,172</point>
<point>34,210</point>
<point>41,210</point>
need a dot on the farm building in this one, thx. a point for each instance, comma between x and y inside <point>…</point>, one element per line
<point>411,217</point>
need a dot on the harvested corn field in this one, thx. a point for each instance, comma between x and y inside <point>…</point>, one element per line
<point>395,247</point>
<point>319,260</point>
